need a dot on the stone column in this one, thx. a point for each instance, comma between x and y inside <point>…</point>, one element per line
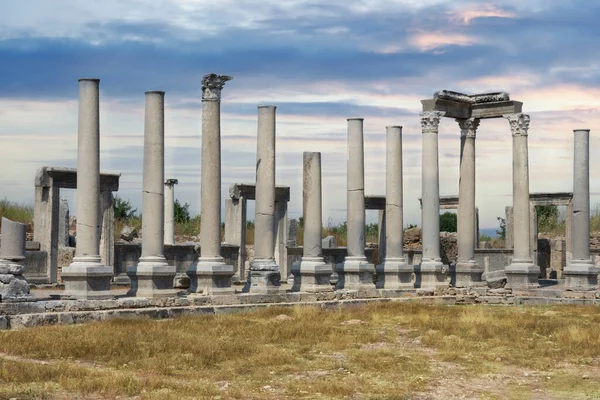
<point>468,273</point>
<point>13,287</point>
<point>580,273</point>
<point>235,232</point>
<point>87,277</point>
<point>522,272</point>
<point>153,276</point>
<point>211,275</point>
<point>394,272</point>
<point>264,275</point>
<point>432,271</point>
<point>312,274</point>
<point>356,272</point>
<point>170,211</point>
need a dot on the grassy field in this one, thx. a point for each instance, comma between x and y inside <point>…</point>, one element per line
<point>380,351</point>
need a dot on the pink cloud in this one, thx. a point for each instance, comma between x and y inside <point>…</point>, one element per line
<point>426,41</point>
<point>480,11</point>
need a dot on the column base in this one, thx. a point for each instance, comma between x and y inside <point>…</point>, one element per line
<point>311,275</point>
<point>581,275</point>
<point>432,274</point>
<point>152,278</point>
<point>263,277</point>
<point>468,274</point>
<point>86,278</point>
<point>394,273</point>
<point>355,273</point>
<point>211,276</point>
<point>522,274</point>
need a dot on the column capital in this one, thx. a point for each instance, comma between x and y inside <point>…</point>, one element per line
<point>171,182</point>
<point>430,121</point>
<point>468,126</point>
<point>212,85</point>
<point>519,123</point>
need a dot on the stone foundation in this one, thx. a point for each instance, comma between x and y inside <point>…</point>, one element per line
<point>66,312</point>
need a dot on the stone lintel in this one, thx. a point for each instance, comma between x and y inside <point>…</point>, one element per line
<point>446,202</point>
<point>374,202</point>
<point>452,109</point>
<point>248,192</point>
<point>550,199</point>
<point>461,110</point>
<point>496,109</point>
<point>66,178</point>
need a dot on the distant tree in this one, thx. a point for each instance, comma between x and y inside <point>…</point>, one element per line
<point>410,226</point>
<point>182,212</point>
<point>448,222</point>
<point>301,222</point>
<point>249,225</point>
<point>502,231</point>
<point>123,209</point>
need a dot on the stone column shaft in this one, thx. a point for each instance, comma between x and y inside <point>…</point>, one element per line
<point>169,237</point>
<point>264,272</point>
<point>153,277</point>
<point>394,273</point>
<point>356,189</point>
<point>264,246</point>
<point>211,275</point>
<point>153,176</point>
<point>86,277</point>
<point>432,271</point>
<point>88,170</point>
<point>312,274</point>
<point>581,273</point>
<point>467,270</point>
<point>356,272</point>
<point>13,286</point>
<point>522,273</point>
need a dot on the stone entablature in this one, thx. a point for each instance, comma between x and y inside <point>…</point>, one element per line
<point>463,106</point>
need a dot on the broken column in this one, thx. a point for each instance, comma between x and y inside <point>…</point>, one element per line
<point>432,270</point>
<point>87,277</point>
<point>264,275</point>
<point>170,211</point>
<point>581,273</point>
<point>13,286</point>
<point>394,272</point>
<point>468,273</point>
<point>356,272</point>
<point>312,274</point>
<point>210,275</point>
<point>522,273</point>
<point>153,276</point>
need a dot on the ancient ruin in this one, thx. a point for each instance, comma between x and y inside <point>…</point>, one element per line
<point>158,269</point>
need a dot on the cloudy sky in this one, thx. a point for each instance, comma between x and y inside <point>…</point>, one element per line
<point>319,62</point>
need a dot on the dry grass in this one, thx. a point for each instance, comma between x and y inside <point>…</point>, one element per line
<point>399,350</point>
<point>595,218</point>
<point>16,212</point>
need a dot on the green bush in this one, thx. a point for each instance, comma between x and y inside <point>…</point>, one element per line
<point>123,209</point>
<point>181,213</point>
<point>448,222</point>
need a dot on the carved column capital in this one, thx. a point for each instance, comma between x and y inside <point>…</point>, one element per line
<point>430,121</point>
<point>519,123</point>
<point>212,85</point>
<point>468,126</point>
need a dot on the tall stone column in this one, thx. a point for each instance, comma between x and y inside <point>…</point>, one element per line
<point>153,276</point>
<point>170,211</point>
<point>432,270</point>
<point>86,277</point>
<point>468,273</point>
<point>394,272</point>
<point>312,274</point>
<point>522,272</point>
<point>356,272</point>
<point>581,273</point>
<point>210,275</point>
<point>264,275</point>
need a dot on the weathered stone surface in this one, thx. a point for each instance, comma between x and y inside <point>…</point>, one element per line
<point>129,233</point>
